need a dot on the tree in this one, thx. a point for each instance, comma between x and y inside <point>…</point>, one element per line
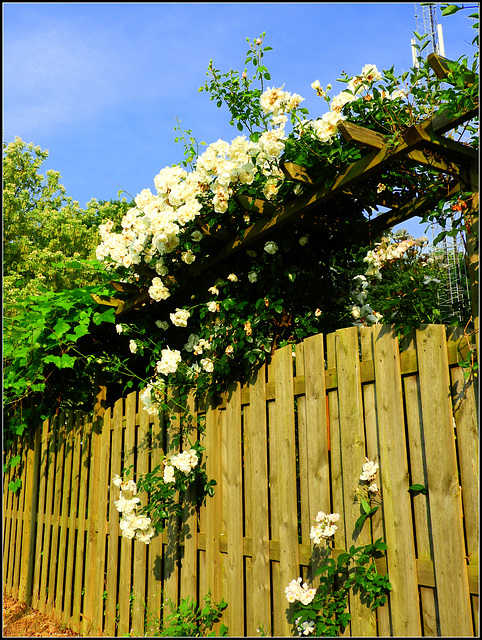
<point>44,228</point>
<point>50,272</point>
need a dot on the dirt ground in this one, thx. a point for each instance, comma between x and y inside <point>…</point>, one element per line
<point>20,621</point>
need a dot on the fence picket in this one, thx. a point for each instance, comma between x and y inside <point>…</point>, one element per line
<point>8,526</point>
<point>394,480</point>
<point>30,508</point>
<point>72,520</point>
<point>468,453</point>
<point>466,420</point>
<point>213,512</point>
<point>188,586</point>
<point>443,485</point>
<point>256,504</point>
<point>282,440</point>
<point>171,548</point>
<point>411,390</point>
<point>125,562</point>
<point>154,552</point>
<point>91,553</point>
<point>21,524</point>
<point>110,623</point>
<point>50,472</point>
<point>78,582</point>
<point>57,499</point>
<point>64,513</point>
<point>233,509</point>
<point>316,440</point>
<point>352,443</point>
<point>102,514</point>
<point>140,551</point>
<point>373,453</point>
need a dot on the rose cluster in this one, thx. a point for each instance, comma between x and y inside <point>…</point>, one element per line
<point>297,591</point>
<point>325,128</point>
<point>325,526</point>
<point>185,462</point>
<point>385,253</point>
<point>131,524</point>
<point>369,471</point>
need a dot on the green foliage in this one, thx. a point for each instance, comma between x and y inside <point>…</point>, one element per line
<point>236,91</point>
<point>50,272</point>
<point>189,620</point>
<point>45,367</point>
<point>404,283</point>
<point>354,570</point>
<point>170,499</point>
<point>49,241</point>
<point>415,489</point>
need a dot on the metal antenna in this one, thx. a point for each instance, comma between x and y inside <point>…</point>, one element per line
<point>456,296</point>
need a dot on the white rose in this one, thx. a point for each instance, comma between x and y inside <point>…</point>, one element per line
<point>168,475</point>
<point>213,306</point>
<point>271,247</point>
<point>207,364</point>
<point>197,236</point>
<point>117,480</point>
<point>169,361</point>
<point>188,257</point>
<point>180,317</point>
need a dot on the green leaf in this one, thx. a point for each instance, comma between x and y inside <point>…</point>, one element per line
<point>418,488</point>
<point>106,316</point>
<point>79,331</point>
<point>61,327</point>
<point>450,10</point>
<point>14,485</point>
<point>361,520</point>
<point>62,362</point>
<point>13,462</point>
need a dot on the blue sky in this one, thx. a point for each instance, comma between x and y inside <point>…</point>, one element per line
<point>100,85</point>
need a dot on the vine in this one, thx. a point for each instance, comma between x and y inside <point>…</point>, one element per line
<point>324,610</point>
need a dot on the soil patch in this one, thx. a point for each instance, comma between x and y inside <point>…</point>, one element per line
<point>21,621</point>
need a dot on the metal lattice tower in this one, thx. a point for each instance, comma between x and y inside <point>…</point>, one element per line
<point>426,20</point>
<point>456,296</point>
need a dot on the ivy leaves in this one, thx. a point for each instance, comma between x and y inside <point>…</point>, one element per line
<point>41,340</point>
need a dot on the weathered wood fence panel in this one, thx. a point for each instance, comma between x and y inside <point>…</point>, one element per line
<point>286,445</point>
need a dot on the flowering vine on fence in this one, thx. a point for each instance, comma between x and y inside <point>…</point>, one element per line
<point>324,611</point>
<point>179,481</point>
<point>169,230</point>
<point>214,328</point>
<point>132,524</point>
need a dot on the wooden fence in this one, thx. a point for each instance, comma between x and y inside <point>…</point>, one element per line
<point>281,448</point>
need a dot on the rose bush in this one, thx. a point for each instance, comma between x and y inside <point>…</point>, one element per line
<point>290,285</point>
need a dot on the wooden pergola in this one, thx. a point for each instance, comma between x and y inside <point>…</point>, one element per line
<point>423,145</point>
